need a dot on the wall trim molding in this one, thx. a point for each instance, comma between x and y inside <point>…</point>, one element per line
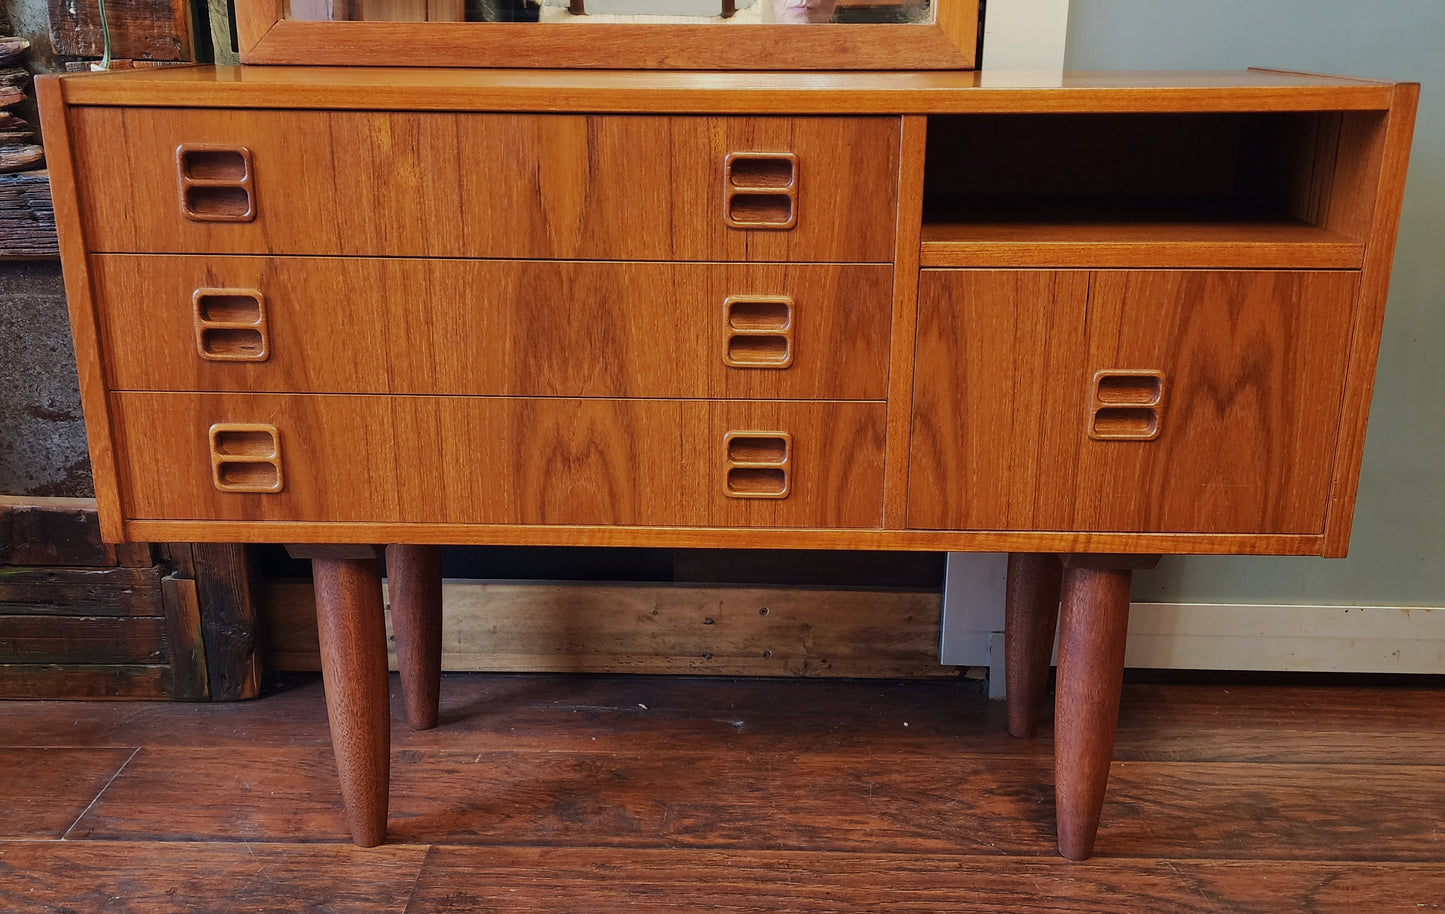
<point>1273,637</point>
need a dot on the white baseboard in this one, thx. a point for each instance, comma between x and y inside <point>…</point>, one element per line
<point>1317,639</point>
<point>1314,639</point>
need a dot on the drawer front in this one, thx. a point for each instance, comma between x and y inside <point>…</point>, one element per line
<point>493,460</point>
<point>522,328</point>
<point>157,180</point>
<point>1131,401</point>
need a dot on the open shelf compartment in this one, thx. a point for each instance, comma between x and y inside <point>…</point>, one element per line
<point>1243,190</point>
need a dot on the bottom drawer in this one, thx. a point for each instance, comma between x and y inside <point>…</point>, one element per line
<point>496,460</point>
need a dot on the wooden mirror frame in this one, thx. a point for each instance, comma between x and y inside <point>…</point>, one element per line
<point>948,42</point>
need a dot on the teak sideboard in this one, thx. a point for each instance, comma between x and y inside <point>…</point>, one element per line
<point>1086,321</point>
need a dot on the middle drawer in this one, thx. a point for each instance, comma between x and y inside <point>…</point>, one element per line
<point>516,328</point>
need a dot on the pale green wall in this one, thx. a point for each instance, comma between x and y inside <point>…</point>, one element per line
<point>1397,554</point>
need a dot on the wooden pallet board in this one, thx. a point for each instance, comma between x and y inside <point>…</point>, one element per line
<point>80,618</point>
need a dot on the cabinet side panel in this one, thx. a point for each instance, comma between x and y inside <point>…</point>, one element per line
<point>60,145</point>
<point>1370,314</point>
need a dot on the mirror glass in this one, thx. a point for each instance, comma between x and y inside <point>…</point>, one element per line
<point>662,12</point>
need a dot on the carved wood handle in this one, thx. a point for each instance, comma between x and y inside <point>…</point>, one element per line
<point>1127,405</point>
<point>246,457</point>
<point>760,190</point>
<point>758,331</point>
<point>230,325</point>
<point>757,464</point>
<point>215,182</point>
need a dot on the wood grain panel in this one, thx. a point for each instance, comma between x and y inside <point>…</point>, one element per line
<point>88,681</point>
<point>51,878</point>
<point>51,531</point>
<point>81,592</point>
<point>607,794</point>
<point>1390,142</point>
<point>44,791</point>
<point>84,326</point>
<point>487,185</point>
<point>645,628</point>
<point>494,460</point>
<point>999,366</point>
<point>449,87</point>
<point>85,639</point>
<point>1253,368</point>
<point>753,881</point>
<point>1286,725</point>
<point>1242,725</point>
<point>905,316</point>
<point>133,29</point>
<point>948,41</point>
<point>1142,243</point>
<point>546,328</point>
<point>457,534</point>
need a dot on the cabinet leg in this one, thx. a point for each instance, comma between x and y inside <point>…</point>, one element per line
<point>414,579</point>
<point>1095,620</point>
<point>353,666</point>
<point>1031,611</point>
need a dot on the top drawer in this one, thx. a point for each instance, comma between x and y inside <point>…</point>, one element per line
<point>188,180</point>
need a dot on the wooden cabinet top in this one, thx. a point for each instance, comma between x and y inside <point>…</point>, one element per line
<point>732,92</point>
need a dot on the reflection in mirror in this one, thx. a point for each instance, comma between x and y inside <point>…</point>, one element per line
<point>630,11</point>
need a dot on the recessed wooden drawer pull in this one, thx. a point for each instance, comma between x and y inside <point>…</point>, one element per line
<point>231,325</point>
<point>1127,405</point>
<point>215,183</point>
<point>246,457</point>
<point>757,464</point>
<point>759,331</point>
<point>760,190</point>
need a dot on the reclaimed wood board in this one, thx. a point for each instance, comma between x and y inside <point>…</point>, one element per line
<point>662,628</point>
<point>27,216</point>
<point>140,29</point>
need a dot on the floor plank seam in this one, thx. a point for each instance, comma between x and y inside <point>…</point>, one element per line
<point>416,880</point>
<point>100,793</point>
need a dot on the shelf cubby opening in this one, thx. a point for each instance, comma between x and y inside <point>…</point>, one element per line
<point>1261,189</point>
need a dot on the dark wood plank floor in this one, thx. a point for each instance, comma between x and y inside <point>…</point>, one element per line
<point>603,794</point>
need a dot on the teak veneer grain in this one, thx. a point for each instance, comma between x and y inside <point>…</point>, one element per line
<point>623,91</point>
<point>411,326</point>
<point>432,184</point>
<point>821,310</point>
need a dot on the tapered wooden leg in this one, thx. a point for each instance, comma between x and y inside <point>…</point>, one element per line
<point>353,666</point>
<point>1031,612</point>
<point>414,581</point>
<point>1094,622</point>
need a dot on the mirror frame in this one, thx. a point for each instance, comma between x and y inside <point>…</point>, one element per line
<point>948,42</point>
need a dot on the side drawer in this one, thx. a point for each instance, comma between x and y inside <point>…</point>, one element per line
<point>494,460</point>
<point>371,183</point>
<point>520,328</point>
